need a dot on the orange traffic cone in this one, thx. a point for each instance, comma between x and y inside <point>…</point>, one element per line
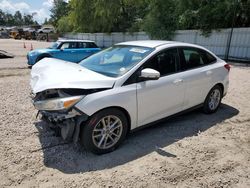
<point>24,46</point>
<point>31,47</point>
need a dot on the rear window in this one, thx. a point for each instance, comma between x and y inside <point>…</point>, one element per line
<point>87,45</point>
<point>210,58</point>
<point>91,45</point>
<point>194,57</point>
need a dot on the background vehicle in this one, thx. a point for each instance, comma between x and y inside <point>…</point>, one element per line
<point>23,34</point>
<point>46,30</point>
<point>125,87</point>
<point>15,34</point>
<point>68,50</point>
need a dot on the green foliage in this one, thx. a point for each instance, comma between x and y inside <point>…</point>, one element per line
<point>161,21</point>
<point>17,19</point>
<point>59,10</point>
<point>159,18</point>
<point>207,15</point>
<point>63,25</point>
<point>106,15</point>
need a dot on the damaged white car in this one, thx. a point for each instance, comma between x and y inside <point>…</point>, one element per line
<point>101,99</point>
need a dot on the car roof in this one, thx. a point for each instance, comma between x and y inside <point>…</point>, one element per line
<point>157,43</point>
<point>74,40</point>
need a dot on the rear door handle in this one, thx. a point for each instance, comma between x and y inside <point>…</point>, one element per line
<point>177,81</point>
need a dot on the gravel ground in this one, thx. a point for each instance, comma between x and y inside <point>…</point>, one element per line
<point>192,150</point>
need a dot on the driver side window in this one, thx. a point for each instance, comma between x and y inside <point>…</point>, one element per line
<point>69,45</point>
<point>165,62</point>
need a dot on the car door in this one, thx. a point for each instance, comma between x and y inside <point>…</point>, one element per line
<point>157,99</point>
<point>67,52</point>
<point>197,74</point>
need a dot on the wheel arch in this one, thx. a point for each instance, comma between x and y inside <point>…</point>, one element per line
<point>41,56</point>
<point>126,113</point>
<point>221,86</point>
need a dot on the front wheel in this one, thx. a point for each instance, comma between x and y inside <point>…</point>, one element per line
<point>105,131</point>
<point>213,100</point>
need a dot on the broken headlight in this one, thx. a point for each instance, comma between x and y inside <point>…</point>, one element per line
<point>57,103</point>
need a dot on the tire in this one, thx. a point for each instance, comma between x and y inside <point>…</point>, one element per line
<point>97,139</point>
<point>213,100</point>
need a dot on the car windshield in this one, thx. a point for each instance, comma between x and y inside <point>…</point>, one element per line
<point>116,61</point>
<point>54,45</point>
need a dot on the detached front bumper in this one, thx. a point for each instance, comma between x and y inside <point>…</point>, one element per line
<point>60,113</point>
<point>68,122</point>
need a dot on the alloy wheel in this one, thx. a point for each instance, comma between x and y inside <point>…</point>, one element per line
<point>107,132</point>
<point>214,99</point>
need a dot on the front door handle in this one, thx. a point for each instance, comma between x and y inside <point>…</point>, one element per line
<point>177,81</point>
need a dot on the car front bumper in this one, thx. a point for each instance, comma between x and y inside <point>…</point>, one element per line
<point>31,60</point>
<point>68,122</point>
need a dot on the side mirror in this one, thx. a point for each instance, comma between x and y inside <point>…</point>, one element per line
<point>149,74</point>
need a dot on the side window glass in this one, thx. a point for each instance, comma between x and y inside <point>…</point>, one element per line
<point>73,45</point>
<point>210,58</point>
<point>91,45</point>
<point>193,58</point>
<point>68,45</point>
<point>82,45</point>
<point>152,64</point>
<point>65,45</point>
<point>166,62</point>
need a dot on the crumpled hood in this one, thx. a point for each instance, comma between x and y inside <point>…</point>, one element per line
<point>50,73</point>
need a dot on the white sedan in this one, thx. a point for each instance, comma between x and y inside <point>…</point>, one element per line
<point>101,99</point>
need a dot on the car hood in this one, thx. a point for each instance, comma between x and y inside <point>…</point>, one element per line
<point>42,50</point>
<point>50,73</point>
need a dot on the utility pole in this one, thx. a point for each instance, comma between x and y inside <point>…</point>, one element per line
<point>231,32</point>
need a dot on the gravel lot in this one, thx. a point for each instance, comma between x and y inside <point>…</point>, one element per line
<point>192,150</point>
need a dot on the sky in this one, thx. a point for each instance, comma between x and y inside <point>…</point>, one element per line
<point>40,7</point>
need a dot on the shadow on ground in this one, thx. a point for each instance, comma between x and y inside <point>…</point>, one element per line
<point>71,158</point>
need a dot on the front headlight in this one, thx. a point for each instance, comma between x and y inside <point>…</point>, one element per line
<point>57,103</point>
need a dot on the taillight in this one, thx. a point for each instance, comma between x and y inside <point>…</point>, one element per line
<point>227,66</point>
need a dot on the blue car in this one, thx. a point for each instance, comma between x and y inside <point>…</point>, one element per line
<point>68,50</point>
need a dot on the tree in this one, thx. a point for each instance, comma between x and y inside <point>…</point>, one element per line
<point>64,25</point>
<point>159,18</point>
<point>28,19</point>
<point>9,20</point>
<point>207,15</point>
<point>82,15</point>
<point>161,21</point>
<point>106,16</point>
<point>60,9</point>
<point>18,18</point>
<point>2,18</point>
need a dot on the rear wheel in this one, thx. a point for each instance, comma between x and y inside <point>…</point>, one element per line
<point>105,131</point>
<point>213,100</point>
